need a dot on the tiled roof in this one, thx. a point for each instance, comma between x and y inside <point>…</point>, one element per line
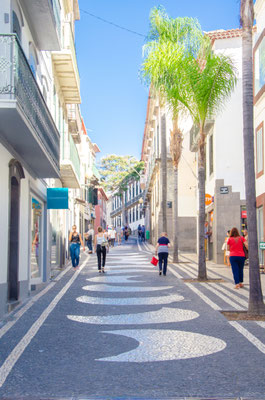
<point>222,34</point>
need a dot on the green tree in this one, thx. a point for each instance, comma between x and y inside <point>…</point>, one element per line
<point>169,41</point>
<point>116,172</point>
<point>256,304</point>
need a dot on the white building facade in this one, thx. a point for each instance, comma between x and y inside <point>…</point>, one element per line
<point>40,142</point>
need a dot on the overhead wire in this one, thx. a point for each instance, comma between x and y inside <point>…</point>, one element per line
<point>112,23</point>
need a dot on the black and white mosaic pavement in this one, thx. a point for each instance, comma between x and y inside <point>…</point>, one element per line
<point>130,334</point>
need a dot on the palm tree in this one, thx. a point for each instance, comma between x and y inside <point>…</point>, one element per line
<point>169,39</point>
<point>255,305</point>
<point>187,72</point>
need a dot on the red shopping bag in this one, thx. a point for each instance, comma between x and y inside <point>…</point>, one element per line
<point>154,261</point>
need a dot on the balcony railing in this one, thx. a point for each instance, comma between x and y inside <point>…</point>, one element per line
<point>19,87</point>
<point>74,157</point>
<point>135,199</point>
<point>74,122</point>
<point>116,211</point>
<point>96,172</point>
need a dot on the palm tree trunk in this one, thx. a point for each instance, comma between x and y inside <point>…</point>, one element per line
<point>202,274</point>
<point>255,305</point>
<point>164,172</point>
<point>175,217</point>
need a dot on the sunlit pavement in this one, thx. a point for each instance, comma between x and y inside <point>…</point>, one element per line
<point>133,334</point>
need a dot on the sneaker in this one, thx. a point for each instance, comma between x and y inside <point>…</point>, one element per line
<point>99,271</point>
<point>160,273</point>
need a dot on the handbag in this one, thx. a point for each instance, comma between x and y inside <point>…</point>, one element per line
<point>245,249</point>
<point>154,261</point>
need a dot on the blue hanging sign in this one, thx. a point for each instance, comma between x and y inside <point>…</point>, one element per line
<point>57,198</point>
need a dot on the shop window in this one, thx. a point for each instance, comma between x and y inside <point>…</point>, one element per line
<point>36,238</point>
<point>259,151</point>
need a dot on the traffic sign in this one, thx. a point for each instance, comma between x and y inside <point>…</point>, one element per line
<point>262,245</point>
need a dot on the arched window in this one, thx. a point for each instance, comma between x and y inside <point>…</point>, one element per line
<point>16,25</point>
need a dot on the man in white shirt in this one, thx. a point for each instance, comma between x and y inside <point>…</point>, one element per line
<point>89,236</point>
<point>112,235</point>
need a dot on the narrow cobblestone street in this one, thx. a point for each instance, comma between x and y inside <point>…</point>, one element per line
<point>131,334</point>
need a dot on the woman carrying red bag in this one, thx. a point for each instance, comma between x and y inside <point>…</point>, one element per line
<point>162,246</point>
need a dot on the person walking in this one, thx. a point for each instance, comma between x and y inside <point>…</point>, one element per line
<point>119,234</point>
<point>237,256</point>
<point>112,235</point>
<point>161,250</point>
<point>139,232</point>
<point>143,233</point>
<point>101,243</point>
<point>126,233</point>
<point>89,236</point>
<point>75,240</point>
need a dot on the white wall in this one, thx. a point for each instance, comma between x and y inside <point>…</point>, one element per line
<point>4,208</point>
<point>228,130</point>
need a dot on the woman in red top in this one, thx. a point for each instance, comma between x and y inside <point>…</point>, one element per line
<point>237,256</point>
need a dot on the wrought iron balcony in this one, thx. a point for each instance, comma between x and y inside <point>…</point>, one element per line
<point>116,211</point>
<point>26,124</point>
<point>70,165</point>
<point>44,17</point>
<point>135,199</point>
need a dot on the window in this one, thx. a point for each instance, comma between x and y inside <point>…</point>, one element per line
<point>33,61</point>
<point>137,213</point>
<point>260,232</point>
<point>210,154</point>
<point>259,66</point>
<point>259,151</point>
<point>133,214</point>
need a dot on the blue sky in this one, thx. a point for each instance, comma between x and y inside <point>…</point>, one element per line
<point>113,98</point>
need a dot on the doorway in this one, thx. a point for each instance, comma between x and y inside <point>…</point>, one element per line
<point>15,173</point>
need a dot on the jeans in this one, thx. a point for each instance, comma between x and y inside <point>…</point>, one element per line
<point>89,245</point>
<point>101,250</point>
<point>237,264</point>
<point>74,253</point>
<point>163,258</point>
